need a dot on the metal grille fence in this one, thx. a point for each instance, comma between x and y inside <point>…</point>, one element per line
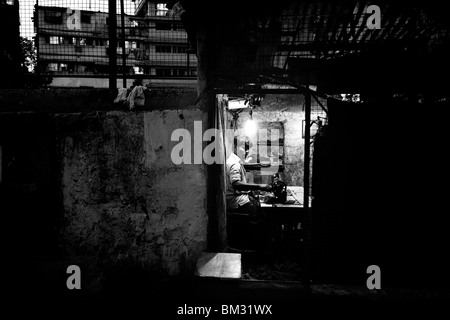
<point>73,45</point>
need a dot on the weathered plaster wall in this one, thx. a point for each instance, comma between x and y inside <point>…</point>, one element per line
<point>125,202</point>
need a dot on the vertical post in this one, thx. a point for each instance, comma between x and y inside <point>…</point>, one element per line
<point>307,221</point>
<point>112,15</point>
<point>124,57</point>
<point>207,102</point>
<point>188,71</point>
<point>36,39</point>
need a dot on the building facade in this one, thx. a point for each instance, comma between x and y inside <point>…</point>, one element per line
<point>73,47</point>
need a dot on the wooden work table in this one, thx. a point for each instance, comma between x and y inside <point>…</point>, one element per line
<point>294,194</point>
<point>287,220</point>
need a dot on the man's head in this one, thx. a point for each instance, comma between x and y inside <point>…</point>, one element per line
<point>234,143</point>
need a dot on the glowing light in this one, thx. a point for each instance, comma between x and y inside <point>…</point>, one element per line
<point>250,127</point>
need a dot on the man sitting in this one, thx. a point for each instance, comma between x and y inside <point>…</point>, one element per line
<point>241,203</point>
<point>239,197</point>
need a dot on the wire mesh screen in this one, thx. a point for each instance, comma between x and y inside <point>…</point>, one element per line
<point>289,38</point>
<point>72,42</point>
<point>296,37</point>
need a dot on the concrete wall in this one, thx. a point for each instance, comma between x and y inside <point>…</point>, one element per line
<point>125,202</point>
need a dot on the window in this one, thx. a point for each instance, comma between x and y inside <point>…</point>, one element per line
<point>120,50</point>
<point>163,26</point>
<point>85,17</point>
<point>57,67</point>
<point>177,26</point>
<point>70,67</point>
<point>129,45</point>
<point>163,49</point>
<point>85,68</point>
<point>53,67</point>
<point>161,9</point>
<point>163,72</point>
<point>81,68</point>
<point>138,70</point>
<point>79,41</point>
<point>56,40</point>
<point>179,49</point>
<point>128,70</point>
<point>180,72</point>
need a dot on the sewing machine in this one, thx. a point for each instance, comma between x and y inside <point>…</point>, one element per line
<point>279,190</point>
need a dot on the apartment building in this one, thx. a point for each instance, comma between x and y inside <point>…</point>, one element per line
<point>73,47</point>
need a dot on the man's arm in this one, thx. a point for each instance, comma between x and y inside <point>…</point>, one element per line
<point>243,186</point>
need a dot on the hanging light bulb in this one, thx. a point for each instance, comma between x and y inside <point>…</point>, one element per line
<point>250,126</point>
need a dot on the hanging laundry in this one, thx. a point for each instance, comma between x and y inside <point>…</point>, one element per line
<point>136,97</point>
<point>121,96</point>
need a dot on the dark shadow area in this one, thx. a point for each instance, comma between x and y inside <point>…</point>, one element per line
<point>30,205</point>
<point>29,193</point>
<point>379,194</point>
